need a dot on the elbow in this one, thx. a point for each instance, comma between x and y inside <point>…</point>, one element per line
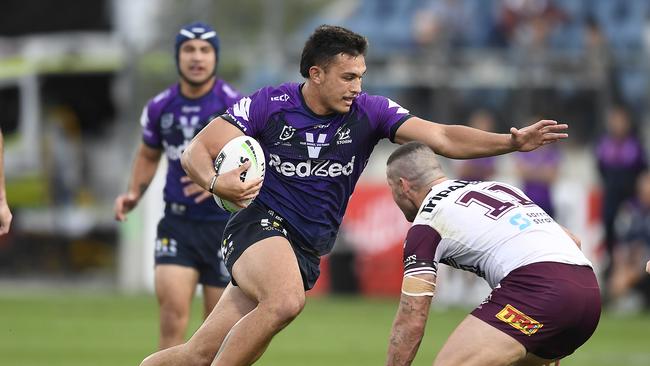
<point>185,160</point>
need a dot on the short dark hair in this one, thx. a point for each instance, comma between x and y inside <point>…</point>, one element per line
<point>405,150</point>
<point>326,42</point>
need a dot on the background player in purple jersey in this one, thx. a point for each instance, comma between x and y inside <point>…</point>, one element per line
<point>188,236</point>
<point>317,137</point>
<point>5,213</point>
<point>545,301</point>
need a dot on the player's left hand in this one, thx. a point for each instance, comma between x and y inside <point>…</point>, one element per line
<point>192,189</point>
<point>647,267</point>
<point>538,134</point>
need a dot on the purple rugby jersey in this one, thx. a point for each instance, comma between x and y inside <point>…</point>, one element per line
<point>313,162</point>
<point>169,122</point>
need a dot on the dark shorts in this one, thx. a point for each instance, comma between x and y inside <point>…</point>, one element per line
<point>550,308</point>
<point>256,223</point>
<point>195,244</point>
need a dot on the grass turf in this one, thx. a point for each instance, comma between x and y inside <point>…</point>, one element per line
<point>79,329</point>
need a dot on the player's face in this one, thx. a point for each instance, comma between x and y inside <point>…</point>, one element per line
<point>196,61</point>
<point>341,82</point>
<point>401,199</point>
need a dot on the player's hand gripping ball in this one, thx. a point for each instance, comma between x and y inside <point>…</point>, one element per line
<point>235,153</point>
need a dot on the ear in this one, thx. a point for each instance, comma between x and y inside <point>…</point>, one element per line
<point>405,185</point>
<point>316,74</point>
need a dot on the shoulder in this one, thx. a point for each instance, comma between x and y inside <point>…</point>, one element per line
<point>377,103</point>
<point>157,104</point>
<point>287,94</point>
<point>276,98</point>
<point>226,91</point>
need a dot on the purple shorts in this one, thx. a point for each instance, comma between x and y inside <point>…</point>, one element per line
<point>550,308</point>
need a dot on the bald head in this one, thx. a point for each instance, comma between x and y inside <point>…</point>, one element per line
<point>416,163</point>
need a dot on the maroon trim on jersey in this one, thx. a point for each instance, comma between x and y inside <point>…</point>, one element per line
<point>420,247</point>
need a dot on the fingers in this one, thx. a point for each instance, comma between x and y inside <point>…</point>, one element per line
<point>555,128</point>
<point>186,179</point>
<point>545,122</point>
<point>4,226</point>
<point>552,137</point>
<point>123,204</point>
<point>242,168</point>
<point>192,189</point>
<point>202,197</point>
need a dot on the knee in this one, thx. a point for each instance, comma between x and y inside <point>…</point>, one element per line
<point>284,309</point>
<point>174,312</point>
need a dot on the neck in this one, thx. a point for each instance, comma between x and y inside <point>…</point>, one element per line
<point>418,196</point>
<point>196,90</point>
<point>313,99</point>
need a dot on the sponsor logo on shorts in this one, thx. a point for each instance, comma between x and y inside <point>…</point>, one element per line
<point>227,246</point>
<point>166,247</point>
<point>268,226</point>
<point>518,320</point>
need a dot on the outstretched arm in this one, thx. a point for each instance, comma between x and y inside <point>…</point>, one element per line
<point>5,213</point>
<point>411,318</point>
<point>462,142</point>
<point>143,170</point>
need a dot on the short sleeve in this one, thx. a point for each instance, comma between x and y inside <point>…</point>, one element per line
<point>419,250</point>
<point>386,115</point>
<point>249,114</point>
<point>150,128</point>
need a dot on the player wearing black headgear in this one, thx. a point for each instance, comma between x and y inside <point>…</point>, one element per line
<point>197,46</point>
<point>188,236</point>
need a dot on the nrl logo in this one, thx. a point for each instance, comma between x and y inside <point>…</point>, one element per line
<point>287,133</point>
<point>166,121</point>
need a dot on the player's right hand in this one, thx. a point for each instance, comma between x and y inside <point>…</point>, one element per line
<point>5,218</point>
<point>230,187</point>
<point>647,267</point>
<point>124,203</point>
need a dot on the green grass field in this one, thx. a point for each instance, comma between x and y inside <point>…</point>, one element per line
<point>70,329</point>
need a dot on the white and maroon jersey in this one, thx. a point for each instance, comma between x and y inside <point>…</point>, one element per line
<point>488,228</point>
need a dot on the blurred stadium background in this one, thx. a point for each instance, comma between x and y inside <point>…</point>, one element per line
<point>75,287</point>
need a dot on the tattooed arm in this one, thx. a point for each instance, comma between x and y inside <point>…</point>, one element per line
<point>142,173</point>
<point>408,327</point>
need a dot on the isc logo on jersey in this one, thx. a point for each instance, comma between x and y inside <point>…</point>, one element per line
<point>319,168</point>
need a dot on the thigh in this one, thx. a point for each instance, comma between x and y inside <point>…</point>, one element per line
<point>211,296</point>
<point>254,225</point>
<point>550,308</point>
<point>175,285</point>
<point>474,342</point>
<point>269,269</point>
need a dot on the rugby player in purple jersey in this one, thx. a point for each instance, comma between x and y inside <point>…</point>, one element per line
<point>188,236</point>
<point>545,301</point>
<point>317,137</point>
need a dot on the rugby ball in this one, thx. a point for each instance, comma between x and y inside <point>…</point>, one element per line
<point>235,153</point>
